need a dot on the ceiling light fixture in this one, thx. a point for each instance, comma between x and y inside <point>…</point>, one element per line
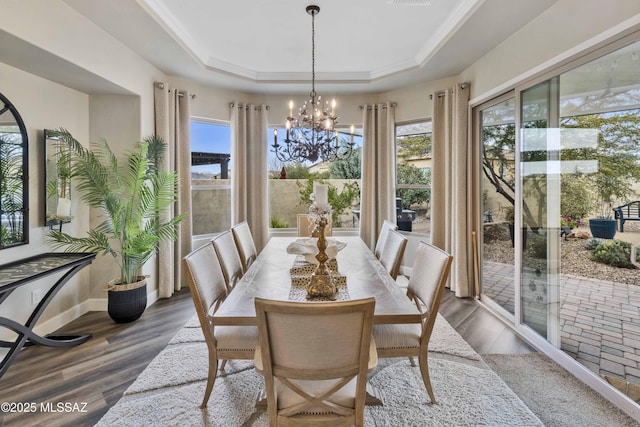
<point>312,135</point>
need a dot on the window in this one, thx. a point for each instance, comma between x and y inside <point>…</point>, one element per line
<point>210,176</point>
<point>413,176</point>
<point>291,184</point>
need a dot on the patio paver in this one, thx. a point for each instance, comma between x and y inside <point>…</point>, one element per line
<point>600,320</point>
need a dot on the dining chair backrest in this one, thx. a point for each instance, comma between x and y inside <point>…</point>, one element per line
<point>227,251</point>
<point>246,245</point>
<point>306,226</point>
<point>208,289</point>
<point>382,237</point>
<point>426,285</point>
<point>429,276</point>
<point>392,252</point>
<point>315,358</point>
<point>206,280</point>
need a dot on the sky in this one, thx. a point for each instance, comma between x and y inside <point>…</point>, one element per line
<point>210,138</point>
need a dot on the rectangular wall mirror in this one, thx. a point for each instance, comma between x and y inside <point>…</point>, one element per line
<point>57,181</point>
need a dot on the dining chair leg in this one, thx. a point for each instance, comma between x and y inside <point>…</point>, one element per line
<point>211,379</point>
<point>424,369</point>
<point>411,361</point>
<point>224,363</point>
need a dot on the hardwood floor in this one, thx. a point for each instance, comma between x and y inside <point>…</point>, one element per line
<point>100,370</point>
<point>96,372</point>
<point>480,328</point>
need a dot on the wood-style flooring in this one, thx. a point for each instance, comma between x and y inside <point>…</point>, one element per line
<point>97,372</point>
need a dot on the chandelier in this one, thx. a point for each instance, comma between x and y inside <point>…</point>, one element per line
<point>312,134</point>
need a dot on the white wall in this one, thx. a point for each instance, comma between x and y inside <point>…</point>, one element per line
<point>53,29</point>
<point>212,102</point>
<point>45,105</point>
<point>116,118</point>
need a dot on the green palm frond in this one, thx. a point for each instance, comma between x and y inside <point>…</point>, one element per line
<point>96,242</point>
<point>130,194</point>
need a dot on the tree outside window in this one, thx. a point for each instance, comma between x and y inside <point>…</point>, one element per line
<point>413,176</point>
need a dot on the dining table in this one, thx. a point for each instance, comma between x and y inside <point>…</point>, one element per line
<point>270,276</point>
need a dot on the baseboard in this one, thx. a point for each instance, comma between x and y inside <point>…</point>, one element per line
<point>65,317</point>
<point>92,304</point>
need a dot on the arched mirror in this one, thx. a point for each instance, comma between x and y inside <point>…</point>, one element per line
<point>14,206</point>
<point>57,175</point>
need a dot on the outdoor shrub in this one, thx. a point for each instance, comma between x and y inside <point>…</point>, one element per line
<point>340,201</point>
<point>538,245</point>
<point>494,232</point>
<point>592,243</point>
<point>616,253</point>
<point>578,199</point>
<point>276,222</point>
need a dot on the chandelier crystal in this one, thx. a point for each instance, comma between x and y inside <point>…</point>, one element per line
<point>312,134</point>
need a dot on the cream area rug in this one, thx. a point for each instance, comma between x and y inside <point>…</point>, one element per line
<point>168,392</point>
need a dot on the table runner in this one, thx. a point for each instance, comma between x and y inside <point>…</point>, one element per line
<point>301,273</point>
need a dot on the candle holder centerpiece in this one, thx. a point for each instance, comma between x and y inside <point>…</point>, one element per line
<point>321,284</point>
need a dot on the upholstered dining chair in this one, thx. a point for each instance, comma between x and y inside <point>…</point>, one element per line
<point>426,285</point>
<point>225,246</point>
<point>315,358</point>
<point>208,290</point>
<point>306,226</point>
<point>244,242</point>
<point>384,231</point>
<point>392,252</point>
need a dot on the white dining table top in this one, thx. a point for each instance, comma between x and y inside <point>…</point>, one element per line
<point>269,277</point>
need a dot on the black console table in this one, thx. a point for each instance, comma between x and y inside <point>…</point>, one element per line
<point>21,272</point>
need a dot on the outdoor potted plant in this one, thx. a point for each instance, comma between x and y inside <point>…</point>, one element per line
<point>604,226</point>
<point>130,193</point>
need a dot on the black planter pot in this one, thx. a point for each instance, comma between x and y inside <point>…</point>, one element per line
<point>127,305</point>
<point>602,227</point>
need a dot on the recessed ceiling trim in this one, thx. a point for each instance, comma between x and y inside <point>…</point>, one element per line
<point>399,67</point>
<point>158,11</point>
<point>435,46</point>
<point>305,77</point>
<point>218,65</point>
<point>448,28</point>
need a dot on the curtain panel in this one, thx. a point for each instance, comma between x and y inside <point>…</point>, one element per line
<point>452,197</point>
<point>249,193</point>
<point>172,123</point>
<point>377,201</point>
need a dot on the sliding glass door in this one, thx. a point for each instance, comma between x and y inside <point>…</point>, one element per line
<point>497,132</point>
<point>539,209</point>
<point>566,155</point>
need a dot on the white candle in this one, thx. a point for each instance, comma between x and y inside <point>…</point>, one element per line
<point>321,193</point>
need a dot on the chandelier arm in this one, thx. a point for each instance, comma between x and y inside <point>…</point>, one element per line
<point>312,135</point>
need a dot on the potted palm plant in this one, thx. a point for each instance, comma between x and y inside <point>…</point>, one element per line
<point>130,195</point>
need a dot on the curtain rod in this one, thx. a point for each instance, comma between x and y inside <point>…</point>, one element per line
<point>441,94</point>
<point>241,105</point>
<point>384,106</point>
<point>160,85</point>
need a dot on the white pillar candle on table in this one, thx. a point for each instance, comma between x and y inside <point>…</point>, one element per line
<point>321,193</point>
